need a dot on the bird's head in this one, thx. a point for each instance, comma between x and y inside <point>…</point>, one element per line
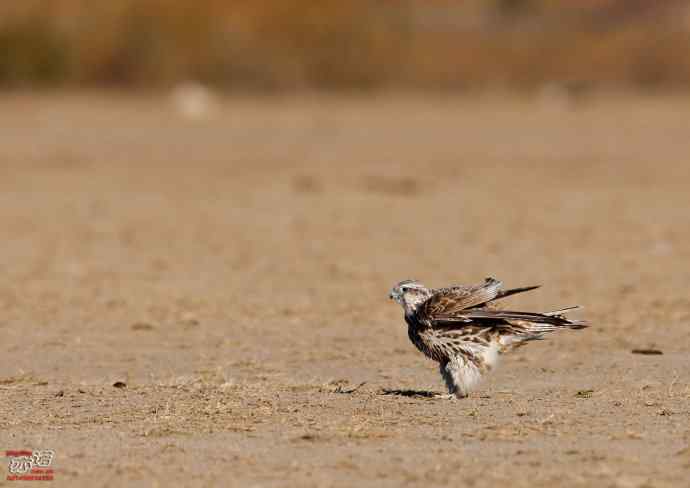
<point>410,294</point>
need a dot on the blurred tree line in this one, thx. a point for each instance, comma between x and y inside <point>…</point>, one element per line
<point>276,45</point>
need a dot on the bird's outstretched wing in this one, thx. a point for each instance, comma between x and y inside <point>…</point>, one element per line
<point>540,322</point>
<point>451,301</point>
<point>462,306</point>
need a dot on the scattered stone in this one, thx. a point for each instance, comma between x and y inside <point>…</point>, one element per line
<point>648,352</point>
<point>120,384</point>
<point>306,184</point>
<point>189,320</point>
<point>308,437</point>
<point>142,326</point>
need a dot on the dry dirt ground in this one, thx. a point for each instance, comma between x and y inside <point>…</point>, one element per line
<point>232,270</point>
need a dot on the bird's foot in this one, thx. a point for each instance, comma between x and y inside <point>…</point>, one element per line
<point>451,396</point>
<point>445,396</point>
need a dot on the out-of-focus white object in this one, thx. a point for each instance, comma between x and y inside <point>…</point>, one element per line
<point>194,101</point>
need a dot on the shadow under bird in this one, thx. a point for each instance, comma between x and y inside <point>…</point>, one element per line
<point>464,331</point>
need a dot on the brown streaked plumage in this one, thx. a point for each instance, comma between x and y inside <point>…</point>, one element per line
<point>461,328</point>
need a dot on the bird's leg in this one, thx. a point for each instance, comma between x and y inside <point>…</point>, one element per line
<point>447,375</point>
<point>460,376</point>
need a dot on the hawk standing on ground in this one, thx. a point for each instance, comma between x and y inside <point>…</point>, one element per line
<point>461,329</point>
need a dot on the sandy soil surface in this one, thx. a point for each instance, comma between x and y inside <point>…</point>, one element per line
<point>232,271</point>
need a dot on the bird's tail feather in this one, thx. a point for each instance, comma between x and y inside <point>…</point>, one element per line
<point>548,320</point>
<point>561,311</point>
<point>571,324</point>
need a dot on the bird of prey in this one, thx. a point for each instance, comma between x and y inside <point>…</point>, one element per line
<point>462,329</point>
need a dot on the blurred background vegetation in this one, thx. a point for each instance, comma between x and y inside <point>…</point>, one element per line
<point>281,45</point>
